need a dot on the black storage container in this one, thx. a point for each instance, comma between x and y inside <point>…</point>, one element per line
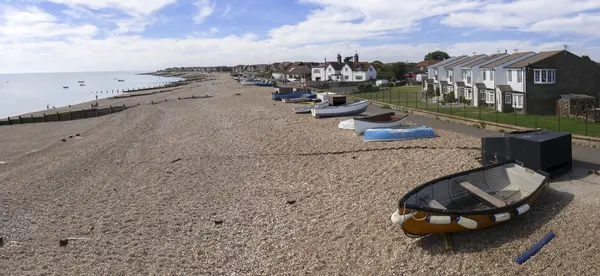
<point>546,150</point>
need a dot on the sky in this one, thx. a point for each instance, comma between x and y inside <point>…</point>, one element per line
<point>147,35</point>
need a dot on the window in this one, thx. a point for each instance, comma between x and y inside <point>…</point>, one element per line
<point>544,76</point>
<point>490,97</point>
<point>509,75</point>
<point>483,74</point>
<point>346,77</point>
<point>507,98</point>
<point>520,76</point>
<point>346,69</point>
<point>371,69</point>
<point>491,75</point>
<point>482,96</point>
<point>316,71</point>
<point>358,77</point>
<point>517,101</point>
<point>329,69</point>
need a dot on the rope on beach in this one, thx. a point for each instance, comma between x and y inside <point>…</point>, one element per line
<point>370,150</point>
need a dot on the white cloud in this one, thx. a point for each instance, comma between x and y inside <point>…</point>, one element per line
<point>205,9</point>
<point>32,40</point>
<point>227,10</point>
<point>132,7</point>
<point>33,23</point>
<point>523,14</point>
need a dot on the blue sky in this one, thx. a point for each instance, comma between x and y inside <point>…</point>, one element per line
<point>88,35</point>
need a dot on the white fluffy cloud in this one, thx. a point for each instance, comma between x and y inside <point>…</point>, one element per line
<point>205,9</point>
<point>33,40</point>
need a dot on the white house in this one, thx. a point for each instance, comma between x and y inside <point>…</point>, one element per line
<point>442,75</point>
<point>471,75</point>
<point>333,71</point>
<point>359,71</point>
<point>494,74</point>
<point>453,75</point>
<point>318,72</point>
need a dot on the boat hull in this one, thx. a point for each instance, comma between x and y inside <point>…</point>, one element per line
<point>347,124</point>
<point>360,126</point>
<point>280,96</point>
<point>454,204</point>
<point>295,100</point>
<point>264,84</point>
<point>341,110</point>
<point>308,108</point>
<point>398,133</point>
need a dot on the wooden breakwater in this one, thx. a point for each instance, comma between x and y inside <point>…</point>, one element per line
<point>170,85</point>
<point>80,114</point>
<point>64,116</point>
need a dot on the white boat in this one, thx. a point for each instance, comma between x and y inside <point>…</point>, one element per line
<point>341,110</point>
<point>362,124</point>
<point>295,100</point>
<point>347,124</point>
<point>308,108</point>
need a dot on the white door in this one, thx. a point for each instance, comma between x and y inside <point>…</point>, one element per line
<point>499,101</point>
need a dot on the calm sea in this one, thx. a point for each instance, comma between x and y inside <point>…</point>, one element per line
<point>23,93</point>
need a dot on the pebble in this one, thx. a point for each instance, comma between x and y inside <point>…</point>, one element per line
<point>218,221</point>
<point>63,242</point>
<point>291,201</point>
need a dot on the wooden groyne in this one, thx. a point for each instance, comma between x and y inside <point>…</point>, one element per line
<point>80,114</point>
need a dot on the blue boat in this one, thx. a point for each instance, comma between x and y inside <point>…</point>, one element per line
<point>293,95</point>
<point>263,84</point>
<point>398,133</point>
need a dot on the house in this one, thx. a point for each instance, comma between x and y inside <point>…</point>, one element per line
<point>434,77</point>
<point>318,72</point>
<point>421,67</point>
<point>453,75</point>
<point>493,74</point>
<point>358,71</point>
<point>470,74</point>
<point>441,74</point>
<point>534,84</point>
<point>346,72</point>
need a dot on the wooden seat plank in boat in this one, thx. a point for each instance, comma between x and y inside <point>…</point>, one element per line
<point>482,194</point>
<point>433,203</point>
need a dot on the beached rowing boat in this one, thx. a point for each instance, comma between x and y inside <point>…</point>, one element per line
<point>398,133</point>
<point>473,199</point>
<point>378,121</point>
<point>308,108</point>
<point>295,100</point>
<point>294,95</point>
<point>341,110</point>
<point>349,124</point>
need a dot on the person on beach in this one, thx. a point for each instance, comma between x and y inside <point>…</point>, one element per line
<point>47,106</point>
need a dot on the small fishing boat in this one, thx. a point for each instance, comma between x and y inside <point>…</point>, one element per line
<point>308,108</point>
<point>81,82</point>
<point>397,133</point>
<point>121,80</point>
<point>378,121</point>
<point>295,100</point>
<point>474,199</point>
<point>341,110</point>
<point>65,87</point>
<point>294,95</point>
<point>349,124</point>
<point>264,83</point>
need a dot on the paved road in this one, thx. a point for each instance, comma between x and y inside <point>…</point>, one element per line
<point>582,156</point>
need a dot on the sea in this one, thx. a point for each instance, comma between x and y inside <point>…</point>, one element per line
<point>24,93</point>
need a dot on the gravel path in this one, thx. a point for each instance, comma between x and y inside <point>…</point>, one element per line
<point>238,184</point>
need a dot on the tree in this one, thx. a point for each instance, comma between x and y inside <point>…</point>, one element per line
<point>586,57</point>
<point>378,65</point>
<point>437,55</point>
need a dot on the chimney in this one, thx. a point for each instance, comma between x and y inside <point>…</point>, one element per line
<point>356,57</point>
<point>325,60</point>
<point>339,58</point>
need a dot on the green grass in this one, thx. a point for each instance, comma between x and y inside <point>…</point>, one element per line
<point>408,96</point>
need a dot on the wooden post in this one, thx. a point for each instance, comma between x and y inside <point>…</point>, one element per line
<point>32,118</point>
<point>110,109</point>
<point>45,120</point>
<point>58,116</point>
<point>20,120</point>
<point>96,111</point>
<point>9,120</point>
<point>83,113</point>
